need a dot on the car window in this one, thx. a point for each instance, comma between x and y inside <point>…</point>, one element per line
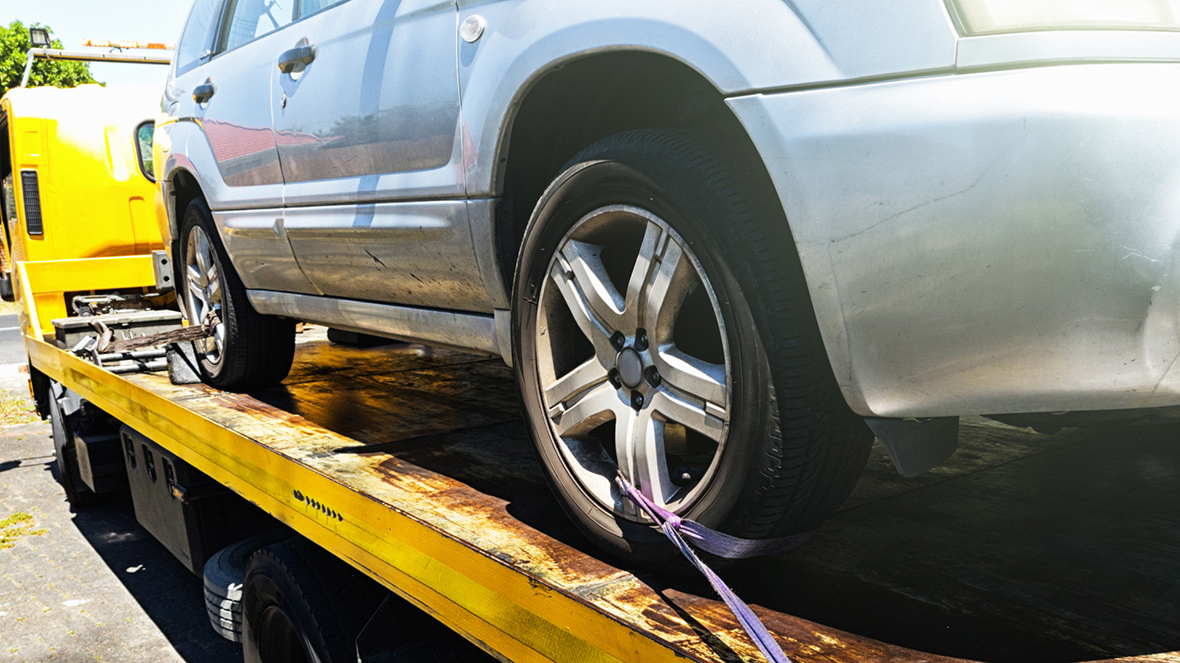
<point>194,41</point>
<point>143,149</point>
<point>309,7</point>
<point>251,19</point>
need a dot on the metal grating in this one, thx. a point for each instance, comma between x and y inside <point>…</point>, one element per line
<point>32,199</point>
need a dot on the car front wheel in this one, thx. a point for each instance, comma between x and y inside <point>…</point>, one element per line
<point>662,331</point>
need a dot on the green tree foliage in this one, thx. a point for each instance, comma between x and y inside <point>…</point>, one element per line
<point>14,48</point>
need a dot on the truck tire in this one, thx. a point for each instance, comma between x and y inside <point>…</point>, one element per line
<point>249,349</point>
<point>78,494</point>
<point>662,328</point>
<point>301,604</point>
<point>224,574</point>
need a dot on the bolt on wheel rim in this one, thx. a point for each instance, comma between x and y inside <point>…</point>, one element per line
<point>203,292</point>
<point>633,360</point>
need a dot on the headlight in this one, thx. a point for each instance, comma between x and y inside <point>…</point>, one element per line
<point>991,16</point>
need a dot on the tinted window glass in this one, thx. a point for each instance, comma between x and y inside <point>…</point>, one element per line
<point>250,19</point>
<point>309,7</point>
<point>143,149</point>
<point>195,38</point>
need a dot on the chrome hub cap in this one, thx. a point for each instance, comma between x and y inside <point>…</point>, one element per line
<point>203,294</point>
<point>633,361</point>
<point>630,367</point>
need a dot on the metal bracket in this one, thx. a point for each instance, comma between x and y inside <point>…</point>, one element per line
<point>916,445</point>
<point>162,266</point>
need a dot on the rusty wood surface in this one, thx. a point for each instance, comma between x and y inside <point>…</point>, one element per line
<point>1023,547</point>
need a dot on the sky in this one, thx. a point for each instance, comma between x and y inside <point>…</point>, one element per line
<point>114,20</point>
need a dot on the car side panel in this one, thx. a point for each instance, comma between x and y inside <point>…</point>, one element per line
<point>769,44</point>
<point>988,243</point>
<point>256,240</point>
<point>375,116</point>
<point>253,234</point>
<point>237,119</point>
<point>416,253</point>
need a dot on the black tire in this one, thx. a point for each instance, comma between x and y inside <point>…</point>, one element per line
<point>794,449</point>
<point>258,349</point>
<point>299,601</point>
<point>224,574</point>
<point>78,494</point>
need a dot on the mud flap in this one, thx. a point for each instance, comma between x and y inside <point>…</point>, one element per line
<point>916,445</point>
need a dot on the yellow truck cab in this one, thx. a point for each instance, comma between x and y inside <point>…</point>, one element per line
<point>76,171</point>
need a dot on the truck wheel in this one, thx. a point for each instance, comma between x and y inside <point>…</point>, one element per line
<point>662,328</point>
<point>248,349</point>
<point>224,574</point>
<point>78,494</point>
<point>300,604</point>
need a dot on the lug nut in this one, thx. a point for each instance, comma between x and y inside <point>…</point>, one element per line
<point>652,376</point>
<point>641,340</point>
<point>617,340</point>
<point>636,400</point>
<point>684,476</point>
<point>613,376</point>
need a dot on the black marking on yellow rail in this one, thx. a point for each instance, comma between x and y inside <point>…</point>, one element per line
<point>317,505</point>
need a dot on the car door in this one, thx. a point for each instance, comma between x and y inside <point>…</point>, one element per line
<point>366,120</point>
<point>228,95</point>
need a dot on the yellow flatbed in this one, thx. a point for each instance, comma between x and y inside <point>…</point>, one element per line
<point>456,552</point>
<point>410,464</point>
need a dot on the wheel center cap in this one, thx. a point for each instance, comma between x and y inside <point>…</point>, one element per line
<point>630,367</point>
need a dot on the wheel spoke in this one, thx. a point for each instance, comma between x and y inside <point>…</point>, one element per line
<point>196,302</point>
<point>214,285</point>
<point>202,253</point>
<point>666,293</point>
<point>195,275</point>
<point>594,408</point>
<point>589,374</point>
<point>585,262</point>
<point>653,234</point>
<point>639,445</point>
<point>198,291</point>
<point>575,299</point>
<point>692,376</point>
<point>694,415</point>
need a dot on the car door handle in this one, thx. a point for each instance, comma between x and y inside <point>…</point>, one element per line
<point>296,59</point>
<point>203,92</point>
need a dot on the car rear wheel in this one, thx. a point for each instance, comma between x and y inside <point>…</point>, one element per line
<point>661,332</point>
<point>247,349</point>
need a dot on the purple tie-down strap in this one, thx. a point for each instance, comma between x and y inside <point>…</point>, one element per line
<point>710,540</point>
<point>673,525</point>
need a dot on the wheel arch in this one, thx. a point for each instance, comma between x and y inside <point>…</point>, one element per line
<point>578,101</point>
<point>664,92</point>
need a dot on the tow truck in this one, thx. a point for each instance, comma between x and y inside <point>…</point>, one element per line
<point>402,465</point>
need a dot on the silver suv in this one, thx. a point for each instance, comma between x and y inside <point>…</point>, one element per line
<point>723,244</point>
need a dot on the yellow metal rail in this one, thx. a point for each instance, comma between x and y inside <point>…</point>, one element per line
<point>497,607</point>
<point>44,284</point>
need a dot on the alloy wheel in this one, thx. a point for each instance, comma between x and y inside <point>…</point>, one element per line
<point>633,360</point>
<point>203,292</point>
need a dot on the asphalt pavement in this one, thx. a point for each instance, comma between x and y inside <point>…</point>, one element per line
<point>12,348</point>
<point>90,585</point>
